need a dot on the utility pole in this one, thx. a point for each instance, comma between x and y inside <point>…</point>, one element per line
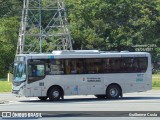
<point>44,27</point>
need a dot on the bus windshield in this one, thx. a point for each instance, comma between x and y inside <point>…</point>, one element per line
<point>19,71</point>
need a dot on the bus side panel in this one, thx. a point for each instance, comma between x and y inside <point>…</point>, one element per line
<point>34,89</point>
<point>66,82</point>
<point>77,84</point>
<point>114,79</point>
<point>129,82</point>
<point>92,84</point>
<point>137,82</point>
<point>134,82</point>
<point>148,75</point>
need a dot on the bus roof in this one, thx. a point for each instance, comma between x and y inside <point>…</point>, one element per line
<point>84,54</point>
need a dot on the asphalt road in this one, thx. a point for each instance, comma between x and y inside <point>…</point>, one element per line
<point>131,103</point>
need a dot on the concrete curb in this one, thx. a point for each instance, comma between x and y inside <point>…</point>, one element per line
<point>3,102</point>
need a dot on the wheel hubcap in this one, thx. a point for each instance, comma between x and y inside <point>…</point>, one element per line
<point>55,94</point>
<point>113,92</point>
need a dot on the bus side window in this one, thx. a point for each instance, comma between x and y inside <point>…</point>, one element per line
<point>93,66</point>
<point>36,70</point>
<point>48,69</point>
<point>71,66</point>
<point>89,66</point>
<point>40,70</point>
<point>125,65</point>
<point>56,67</point>
<point>79,69</point>
<point>30,70</point>
<point>134,65</point>
<point>106,66</point>
<point>115,65</point>
<point>143,63</point>
<point>67,67</point>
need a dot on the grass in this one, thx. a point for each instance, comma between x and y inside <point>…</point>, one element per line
<point>156,81</point>
<point>6,86</point>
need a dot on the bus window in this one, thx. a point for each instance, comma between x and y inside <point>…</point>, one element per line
<point>134,65</point>
<point>57,67</point>
<point>36,70</point>
<point>67,67</point>
<point>143,63</point>
<point>74,66</point>
<point>112,65</point>
<point>115,65</point>
<point>79,67</point>
<point>40,70</point>
<point>106,66</point>
<point>93,66</point>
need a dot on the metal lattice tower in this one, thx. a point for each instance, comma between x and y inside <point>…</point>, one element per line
<point>44,27</point>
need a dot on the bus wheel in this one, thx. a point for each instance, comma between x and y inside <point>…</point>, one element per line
<point>113,92</point>
<point>101,96</point>
<point>54,94</point>
<point>43,98</point>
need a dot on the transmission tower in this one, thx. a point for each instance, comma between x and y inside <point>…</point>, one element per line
<point>44,27</point>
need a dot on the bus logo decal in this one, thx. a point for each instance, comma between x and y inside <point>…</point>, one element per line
<point>139,77</point>
<point>84,79</point>
<point>93,79</point>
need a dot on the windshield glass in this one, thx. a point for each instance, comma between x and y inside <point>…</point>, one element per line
<point>19,71</point>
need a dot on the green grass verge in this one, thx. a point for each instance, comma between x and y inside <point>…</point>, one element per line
<point>156,81</point>
<point>155,88</point>
<point>6,86</point>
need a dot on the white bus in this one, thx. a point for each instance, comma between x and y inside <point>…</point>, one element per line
<point>81,72</point>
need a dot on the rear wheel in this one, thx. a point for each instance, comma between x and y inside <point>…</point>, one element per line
<point>101,96</point>
<point>43,98</point>
<point>54,94</point>
<point>113,92</point>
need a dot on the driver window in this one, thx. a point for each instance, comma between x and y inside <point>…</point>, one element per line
<point>36,70</point>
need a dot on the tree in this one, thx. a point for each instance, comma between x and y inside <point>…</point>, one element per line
<point>9,24</point>
<point>113,24</point>
<point>94,24</point>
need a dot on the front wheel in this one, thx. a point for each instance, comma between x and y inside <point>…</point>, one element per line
<point>113,92</point>
<point>54,94</point>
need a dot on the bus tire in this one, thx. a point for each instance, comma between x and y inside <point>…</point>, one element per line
<point>43,98</point>
<point>113,92</point>
<point>54,94</point>
<point>101,96</point>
